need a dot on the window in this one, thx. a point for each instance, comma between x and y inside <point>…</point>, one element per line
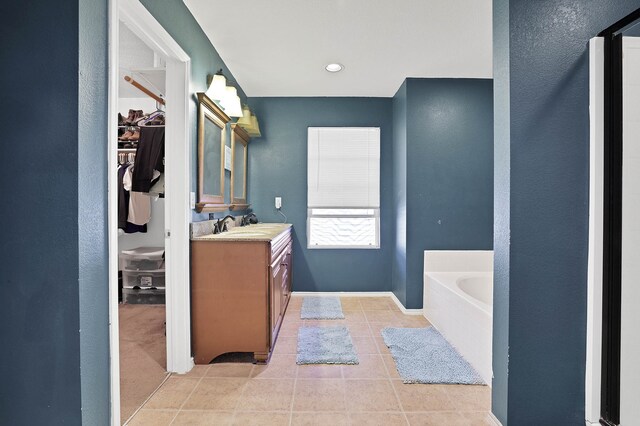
<point>343,187</point>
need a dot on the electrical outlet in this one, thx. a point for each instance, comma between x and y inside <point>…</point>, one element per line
<point>278,203</point>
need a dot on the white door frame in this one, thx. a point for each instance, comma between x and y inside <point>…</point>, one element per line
<point>593,368</point>
<point>177,188</point>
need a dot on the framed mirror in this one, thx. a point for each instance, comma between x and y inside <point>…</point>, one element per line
<point>211,142</point>
<point>239,144</point>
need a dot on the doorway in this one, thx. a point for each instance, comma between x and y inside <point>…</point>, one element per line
<point>613,376</point>
<point>173,232</point>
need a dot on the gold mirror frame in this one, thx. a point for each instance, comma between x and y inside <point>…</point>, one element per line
<point>208,110</point>
<point>239,135</point>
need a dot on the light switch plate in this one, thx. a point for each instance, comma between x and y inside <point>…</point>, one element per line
<point>193,200</point>
<point>278,202</point>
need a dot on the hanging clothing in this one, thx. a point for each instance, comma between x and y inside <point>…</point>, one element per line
<point>139,203</point>
<point>149,157</point>
<point>123,205</point>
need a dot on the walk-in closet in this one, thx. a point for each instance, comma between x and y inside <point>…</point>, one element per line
<point>141,221</point>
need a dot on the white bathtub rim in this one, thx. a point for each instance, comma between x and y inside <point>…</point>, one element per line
<point>449,280</point>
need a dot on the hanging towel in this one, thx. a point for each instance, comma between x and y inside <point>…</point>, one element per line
<point>149,157</point>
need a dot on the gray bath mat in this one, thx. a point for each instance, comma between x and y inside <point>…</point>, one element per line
<point>325,345</point>
<point>321,308</point>
<point>422,355</point>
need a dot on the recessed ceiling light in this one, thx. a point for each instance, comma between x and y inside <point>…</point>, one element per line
<point>334,67</point>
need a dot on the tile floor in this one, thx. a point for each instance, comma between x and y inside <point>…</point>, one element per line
<point>283,393</point>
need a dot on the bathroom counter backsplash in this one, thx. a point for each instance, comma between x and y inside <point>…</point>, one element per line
<point>203,231</point>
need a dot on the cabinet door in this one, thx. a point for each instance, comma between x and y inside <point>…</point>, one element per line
<point>286,279</point>
<point>277,272</point>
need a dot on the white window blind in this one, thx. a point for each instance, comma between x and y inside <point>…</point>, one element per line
<point>343,187</point>
<point>343,167</point>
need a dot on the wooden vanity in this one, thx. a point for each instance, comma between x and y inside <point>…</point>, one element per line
<point>240,289</point>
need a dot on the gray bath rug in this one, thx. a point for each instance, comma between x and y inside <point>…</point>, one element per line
<point>321,308</point>
<point>422,355</point>
<point>325,345</point>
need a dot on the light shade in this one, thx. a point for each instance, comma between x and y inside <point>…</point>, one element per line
<point>254,129</point>
<point>245,120</point>
<point>231,102</point>
<point>216,90</point>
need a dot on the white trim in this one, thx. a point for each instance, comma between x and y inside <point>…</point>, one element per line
<point>403,309</point>
<point>588,423</point>
<point>112,214</point>
<point>596,221</point>
<point>359,294</point>
<point>494,420</point>
<point>177,216</point>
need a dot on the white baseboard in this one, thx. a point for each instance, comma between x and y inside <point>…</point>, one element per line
<point>402,308</point>
<point>494,420</point>
<point>359,294</point>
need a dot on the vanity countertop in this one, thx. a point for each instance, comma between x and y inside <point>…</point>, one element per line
<point>257,232</point>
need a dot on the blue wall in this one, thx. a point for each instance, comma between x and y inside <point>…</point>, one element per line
<point>542,107</point>
<point>92,213</point>
<point>277,166</point>
<point>176,18</point>
<point>39,320</point>
<point>449,172</point>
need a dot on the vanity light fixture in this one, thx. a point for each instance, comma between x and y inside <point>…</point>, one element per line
<point>334,67</point>
<point>231,102</point>
<point>249,122</point>
<point>245,120</point>
<point>216,90</point>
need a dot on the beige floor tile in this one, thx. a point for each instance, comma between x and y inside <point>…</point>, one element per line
<point>325,323</point>
<point>230,369</point>
<point>359,329</point>
<point>470,397</point>
<point>319,395</point>
<point>477,418</point>
<point>418,397</point>
<point>382,346</point>
<point>436,418</point>
<point>350,304</point>
<point>153,418</point>
<point>222,418</point>
<point>286,345</point>
<point>355,316</point>
<point>377,419</point>
<point>415,321</point>
<point>319,419</point>
<point>386,317</point>
<point>279,367</point>
<point>267,395</point>
<point>261,419</point>
<point>371,366</point>
<point>391,366</point>
<point>375,303</point>
<point>364,345</point>
<point>196,371</point>
<point>370,395</point>
<point>377,327</point>
<point>216,394</point>
<point>172,393</point>
<point>319,372</point>
<point>290,328</point>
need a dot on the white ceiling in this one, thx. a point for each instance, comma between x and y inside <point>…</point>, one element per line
<point>280,47</point>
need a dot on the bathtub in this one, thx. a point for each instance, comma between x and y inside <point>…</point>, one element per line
<point>458,300</point>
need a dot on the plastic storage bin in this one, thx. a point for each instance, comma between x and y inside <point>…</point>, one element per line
<point>144,296</point>
<point>143,279</point>
<point>142,259</point>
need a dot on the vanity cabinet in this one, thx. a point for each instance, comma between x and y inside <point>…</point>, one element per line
<point>240,289</point>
